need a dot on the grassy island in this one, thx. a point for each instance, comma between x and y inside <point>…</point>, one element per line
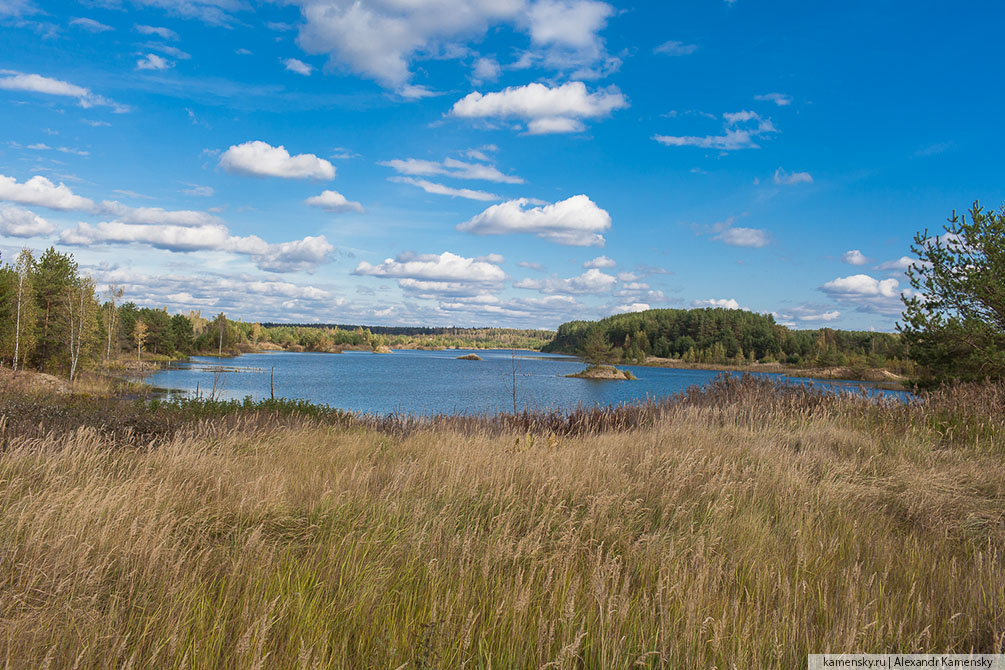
<point>603,372</point>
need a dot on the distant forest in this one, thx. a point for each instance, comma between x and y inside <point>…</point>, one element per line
<point>727,336</point>
<point>53,319</point>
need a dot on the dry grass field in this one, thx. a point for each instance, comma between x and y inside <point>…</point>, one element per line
<point>740,527</point>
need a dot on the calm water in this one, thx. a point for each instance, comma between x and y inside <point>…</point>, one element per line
<point>427,382</point>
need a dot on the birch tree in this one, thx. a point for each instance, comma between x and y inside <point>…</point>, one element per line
<point>25,312</point>
<point>139,336</point>
<point>80,306</point>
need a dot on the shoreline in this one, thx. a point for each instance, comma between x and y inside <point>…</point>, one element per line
<point>879,378</point>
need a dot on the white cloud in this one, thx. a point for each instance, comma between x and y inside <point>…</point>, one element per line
<point>485,69</point>
<point>862,285</point>
<point>167,49</point>
<point>554,125</point>
<point>600,262</point>
<point>298,66</point>
<point>632,307</point>
<point>90,25</point>
<point>18,222</point>
<point>592,281</point>
<point>153,62</point>
<point>40,191</point>
<point>34,83</point>
<point>41,146</point>
<point>866,293</point>
<point>674,48</point>
<point>163,33</point>
<point>441,189</point>
<point>899,265</point>
<point>545,109</point>
<point>381,38</point>
<point>451,167</point>
<point>432,272</point>
<point>854,257</point>
<point>791,178</point>
<point>821,316</point>
<point>779,99</point>
<point>305,254</point>
<point>724,303</point>
<point>247,296</point>
<point>744,237</point>
<point>16,8</point>
<point>333,201</point>
<point>569,29</point>
<point>155,215</point>
<point>576,221</point>
<point>201,191</point>
<point>740,129</point>
<point>260,159</point>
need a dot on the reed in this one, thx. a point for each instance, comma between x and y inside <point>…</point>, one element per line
<point>744,525</point>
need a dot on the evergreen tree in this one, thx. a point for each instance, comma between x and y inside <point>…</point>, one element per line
<point>954,324</point>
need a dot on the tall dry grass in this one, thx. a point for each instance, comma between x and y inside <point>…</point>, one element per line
<point>738,527</point>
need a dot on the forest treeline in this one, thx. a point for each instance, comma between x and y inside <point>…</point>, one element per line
<point>53,319</point>
<point>724,336</point>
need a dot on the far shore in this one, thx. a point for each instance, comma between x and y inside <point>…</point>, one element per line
<point>876,377</point>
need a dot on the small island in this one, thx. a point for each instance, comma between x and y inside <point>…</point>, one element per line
<point>469,357</point>
<point>382,349</point>
<point>603,372</point>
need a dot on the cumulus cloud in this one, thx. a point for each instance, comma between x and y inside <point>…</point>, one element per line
<point>899,265</point>
<point>820,316</point>
<point>861,285</point>
<point>18,222</point>
<point>250,296</point>
<point>446,267</point>
<point>442,189</point>
<point>600,262</point>
<point>298,66</point>
<point>576,221</point>
<point>592,281</point>
<point>545,109</point>
<point>335,202</point>
<point>854,257</point>
<point>791,178</point>
<point>41,192</point>
<point>779,99</point>
<point>451,167</point>
<point>445,276</point>
<point>153,62</point>
<point>744,237</point>
<point>34,83</point>
<point>90,25</point>
<point>380,39</point>
<point>485,69</point>
<point>724,303</point>
<point>866,293</point>
<point>674,48</point>
<point>305,254</point>
<point>260,159</point>
<point>163,33</point>
<point>632,307</point>
<point>155,215</point>
<point>740,130</point>
<point>569,30</point>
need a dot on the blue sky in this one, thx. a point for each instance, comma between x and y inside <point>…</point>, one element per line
<point>507,162</point>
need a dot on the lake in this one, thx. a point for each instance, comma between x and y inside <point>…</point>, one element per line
<point>431,382</point>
